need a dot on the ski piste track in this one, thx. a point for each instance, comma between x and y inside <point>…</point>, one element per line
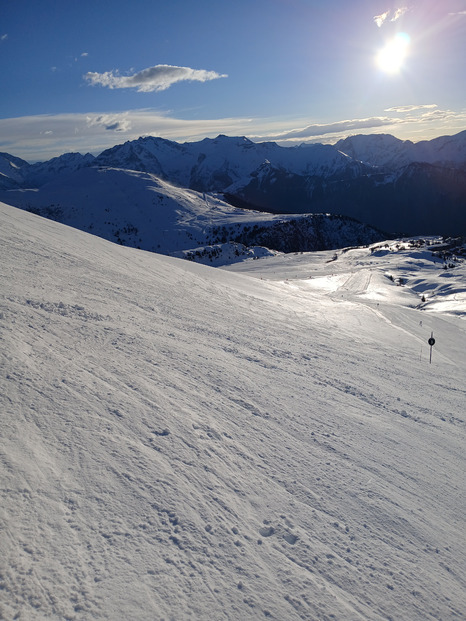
<point>183,442</point>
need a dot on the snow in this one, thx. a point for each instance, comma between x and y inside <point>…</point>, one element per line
<point>141,210</point>
<point>135,207</point>
<point>399,272</point>
<point>185,442</point>
<point>390,152</point>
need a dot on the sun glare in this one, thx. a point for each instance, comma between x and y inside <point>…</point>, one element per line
<point>391,58</point>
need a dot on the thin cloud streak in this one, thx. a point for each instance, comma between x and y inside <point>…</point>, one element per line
<point>317,129</point>
<point>38,138</point>
<point>410,108</point>
<point>157,78</point>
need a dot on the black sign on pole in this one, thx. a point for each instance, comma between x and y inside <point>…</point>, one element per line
<point>431,342</point>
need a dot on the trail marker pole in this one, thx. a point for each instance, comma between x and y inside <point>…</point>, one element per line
<point>431,342</point>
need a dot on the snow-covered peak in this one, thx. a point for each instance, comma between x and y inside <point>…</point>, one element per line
<point>448,150</point>
<point>381,150</point>
<point>222,139</point>
<point>42,172</point>
<point>213,164</point>
<point>386,151</point>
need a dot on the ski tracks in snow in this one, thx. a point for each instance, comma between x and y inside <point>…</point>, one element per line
<point>180,442</point>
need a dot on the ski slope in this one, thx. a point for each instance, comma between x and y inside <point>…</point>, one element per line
<point>184,442</point>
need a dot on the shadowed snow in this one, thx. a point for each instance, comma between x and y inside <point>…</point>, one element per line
<point>183,442</point>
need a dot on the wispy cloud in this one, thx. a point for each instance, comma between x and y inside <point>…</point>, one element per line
<point>441,115</point>
<point>379,19</point>
<point>157,78</point>
<point>399,13</point>
<point>110,122</point>
<point>382,18</point>
<point>41,137</point>
<point>411,108</point>
<point>4,37</point>
<point>311,131</point>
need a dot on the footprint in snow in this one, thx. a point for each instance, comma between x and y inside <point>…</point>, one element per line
<point>266,531</point>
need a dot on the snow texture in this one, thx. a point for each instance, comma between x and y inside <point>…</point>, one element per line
<point>185,442</point>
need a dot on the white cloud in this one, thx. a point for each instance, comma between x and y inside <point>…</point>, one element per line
<point>410,108</point>
<point>379,19</point>
<point>399,13</point>
<point>438,115</point>
<point>157,78</point>
<point>4,37</point>
<point>318,129</point>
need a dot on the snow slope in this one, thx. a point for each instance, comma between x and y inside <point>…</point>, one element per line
<point>182,442</point>
<point>413,273</point>
<point>10,170</point>
<point>140,210</point>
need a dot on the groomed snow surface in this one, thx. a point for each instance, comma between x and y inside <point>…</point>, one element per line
<point>184,442</point>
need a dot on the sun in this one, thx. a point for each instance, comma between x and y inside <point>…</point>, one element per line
<point>391,57</point>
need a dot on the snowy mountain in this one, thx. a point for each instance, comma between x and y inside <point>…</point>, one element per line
<point>42,172</point>
<point>389,152</point>
<point>182,442</point>
<point>213,165</point>
<point>10,170</point>
<point>140,210</point>
<point>17,173</point>
<point>397,186</point>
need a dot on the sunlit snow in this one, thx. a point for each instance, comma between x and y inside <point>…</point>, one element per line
<point>185,442</point>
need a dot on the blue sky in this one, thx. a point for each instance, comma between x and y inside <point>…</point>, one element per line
<point>83,76</point>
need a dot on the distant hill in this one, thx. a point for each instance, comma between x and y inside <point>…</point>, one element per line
<point>138,209</point>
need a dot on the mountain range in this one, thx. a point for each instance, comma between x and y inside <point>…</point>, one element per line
<point>398,187</point>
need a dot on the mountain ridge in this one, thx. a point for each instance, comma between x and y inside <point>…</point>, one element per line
<point>387,151</point>
<point>398,186</point>
<point>363,148</point>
